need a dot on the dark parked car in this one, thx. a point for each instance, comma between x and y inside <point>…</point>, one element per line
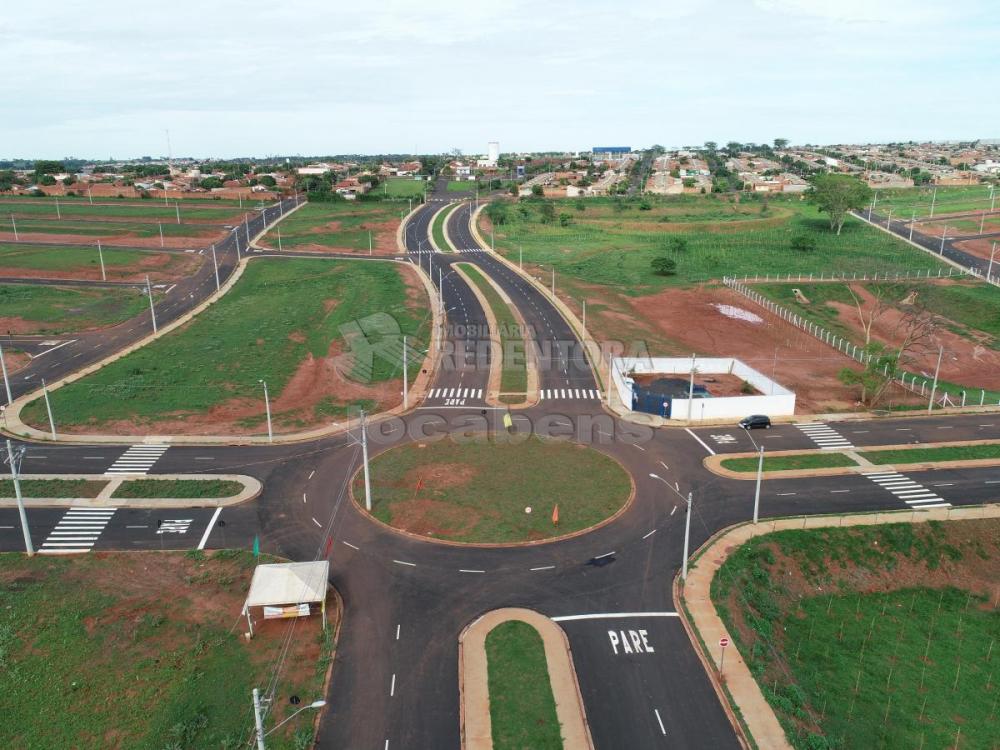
<point>755,421</point>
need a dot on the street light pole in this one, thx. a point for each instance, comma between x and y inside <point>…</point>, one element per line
<point>152,310</point>
<point>15,477</point>
<point>364,458</point>
<point>267,408</point>
<point>913,220</point>
<point>943,233</point>
<point>258,720</point>
<point>48,408</point>
<point>937,369</point>
<point>215,264</point>
<point>100,256</point>
<point>406,384</point>
<point>756,497</point>
<point>989,269</point>
<point>687,538</point>
<point>6,378</point>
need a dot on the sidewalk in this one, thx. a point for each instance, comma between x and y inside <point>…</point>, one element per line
<point>705,627</point>
<point>251,489</point>
<point>474,688</point>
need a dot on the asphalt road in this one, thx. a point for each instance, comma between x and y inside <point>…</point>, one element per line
<point>406,600</point>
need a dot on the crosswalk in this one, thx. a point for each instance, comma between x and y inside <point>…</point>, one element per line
<point>824,436</point>
<point>138,459</point>
<point>77,531</point>
<point>912,493</point>
<point>455,393</point>
<point>473,250</point>
<point>579,394</point>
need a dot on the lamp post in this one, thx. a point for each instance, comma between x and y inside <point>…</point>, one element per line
<point>364,458</point>
<point>14,459</point>
<point>756,495</point>
<point>100,256</point>
<point>215,265</point>
<point>267,408</point>
<point>937,369</point>
<point>152,309</point>
<point>989,269</point>
<point>687,539</point>
<point>6,378</point>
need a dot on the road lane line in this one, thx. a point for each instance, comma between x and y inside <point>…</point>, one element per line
<point>403,562</point>
<point>466,570</point>
<point>317,523</point>
<point>613,616</point>
<point>351,545</point>
<point>211,525</point>
<point>397,631</point>
<point>660,721</point>
<point>649,534</point>
<point>674,510</point>
<point>137,527</point>
<point>606,554</point>
<point>392,687</point>
<point>544,567</point>
<point>784,494</point>
<point>303,497</point>
<point>710,451</point>
<point>311,473</point>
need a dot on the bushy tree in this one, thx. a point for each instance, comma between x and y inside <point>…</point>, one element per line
<point>836,194</point>
<point>664,266</point>
<point>803,242</point>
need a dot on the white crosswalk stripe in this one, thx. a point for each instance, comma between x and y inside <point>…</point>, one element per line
<point>455,393</point>
<point>578,394</point>
<point>824,436</point>
<point>473,250</point>
<point>912,493</point>
<point>77,531</point>
<point>138,459</point>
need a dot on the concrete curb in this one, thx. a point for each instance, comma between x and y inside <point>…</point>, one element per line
<point>434,218</point>
<point>702,621</point>
<point>251,490</point>
<point>473,684</point>
<point>714,463</point>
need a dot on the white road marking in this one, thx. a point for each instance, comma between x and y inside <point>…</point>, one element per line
<point>351,545</point>
<point>660,721</point>
<point>311,473</point>
<point>674,510</point>
<point>834,492</point>
<point>710,451</point>
<point>650,533</point>
<point>317,523</point>
<point>544,567</point>
<point>303,497</point>
<point>208,530</point>
<point>465,570</point>
<point>397,631</point>
<point>403,562</point>
<point>392,686</point>
<point>606,554</point>
<point>785,494</point>
<point>613,616</point>
<point>140,526</point>
<point>636,445</point>
<point>664,466</point>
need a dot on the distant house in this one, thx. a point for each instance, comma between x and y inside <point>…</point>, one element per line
<point>321,168</point>
<point>351,187</point>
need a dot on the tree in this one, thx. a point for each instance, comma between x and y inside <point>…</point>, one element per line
<point>711,146</point>
<point>537,191</point>
<point>780,143</point>
<point>664,266</point>
<point>836,194</point>
<point>733,148</point>
<point>804,242</point>
<point>266,179</point>
<point>677,245</point>
<point>46,179</point>
<point>210,182</point>
<point>548,211</point>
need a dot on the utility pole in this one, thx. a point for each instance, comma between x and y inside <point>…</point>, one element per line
<point>687,538</point>
<point>14,224</point>
<point>369,242</point>
<point>258,720</point>
<point>6,379</point>
<point>100,255</point>
<point>553,282</point>
<point>58,212</point>
<point>16,478</point>
<point>756,496</point>
<point>930,404</point>
<point>152,310</point>
<point>943,233</point>
<point>913,219</point>
<point>267,409</point>
<point>177,206</point>
<point>982,220</point>
<point>585,320</point>
<point>279,238</point>
<point>989,270</point>
<point>48,408</point>
<point>161,233</point>
<point>246,223</point>
<point>520,257</point>
<point>888,221</point>
<point>215,265</point>
<point>933,199</point>
<point>364,458</point>
<point>406,384</point>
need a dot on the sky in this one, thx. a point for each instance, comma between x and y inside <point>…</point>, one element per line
<point>107,78</point>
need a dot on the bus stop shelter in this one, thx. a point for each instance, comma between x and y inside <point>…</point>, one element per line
<point>283,590</point>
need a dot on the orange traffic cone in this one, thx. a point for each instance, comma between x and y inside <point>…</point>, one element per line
<point>555,515</point>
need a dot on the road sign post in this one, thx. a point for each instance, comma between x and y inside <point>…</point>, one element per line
<point>723,642</point>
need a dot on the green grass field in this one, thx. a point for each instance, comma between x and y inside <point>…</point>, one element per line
<point>478,491</point>
<point>895,664</point>
<point>944,453</point>
<point>343,226</point>
<point>103,229</point>
<point>720,239</point>
<point>514,370</point>
<point>279,313</point>
<point>950,199</point>
<point>461,186</point>
<point>177,488</point>
<point>437,229</point>
<point>402,187</point>
<point>790,463</point>
<point>72,259</point>
<point>53,488</point>
<point>57,309</point>
<point>220,214</point>
<point>141,650</point>
<point>522,708</point>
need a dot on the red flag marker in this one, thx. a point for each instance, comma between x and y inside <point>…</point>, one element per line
<point>555,515</point>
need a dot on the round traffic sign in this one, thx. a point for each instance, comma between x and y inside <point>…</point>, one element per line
<point>723,642</point>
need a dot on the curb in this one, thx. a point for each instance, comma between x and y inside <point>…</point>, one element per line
<point>496,348</point>
<point>473,688</point>
<point>757,722</point>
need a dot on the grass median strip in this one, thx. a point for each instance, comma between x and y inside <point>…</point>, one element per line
<point>790,463</point>
<point>437,229</point>
<point>177,488</point>
<point>943,453</point>
<point>54,488</point>
<point>522,707</point>
<point>514,372</point>
<point>41,309</point>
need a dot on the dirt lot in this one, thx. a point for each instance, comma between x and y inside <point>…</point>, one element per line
<point>195,239</point>
<point>158,266</point>
<point>983,248</point>
<point>697,319</point>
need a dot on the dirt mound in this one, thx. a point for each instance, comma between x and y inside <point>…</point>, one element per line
<point>432,518</point>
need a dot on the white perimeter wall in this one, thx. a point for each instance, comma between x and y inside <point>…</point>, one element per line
<point>776,400</point>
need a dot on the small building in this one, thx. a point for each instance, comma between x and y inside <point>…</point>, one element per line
<point>283,590</point>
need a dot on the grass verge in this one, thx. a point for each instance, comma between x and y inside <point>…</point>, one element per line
<point>870,637</point>
<point>139,650</point>
<point>40,309</point>
<point>514,367</point>
<point>179,488</point>
<point>522,707</point>
<point>478,491</point>
<point>437,229</point>
<point>402,188</point>
<point>944,453</point>
<point>282,315</point>
<point>341,226</point>
<point>790,463</point>
<point>54,488</point>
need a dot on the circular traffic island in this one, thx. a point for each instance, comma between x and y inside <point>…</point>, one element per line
<point>494,492</point>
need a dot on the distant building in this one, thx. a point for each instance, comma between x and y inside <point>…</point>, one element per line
<point>313,169</point>
<point>610,152</point>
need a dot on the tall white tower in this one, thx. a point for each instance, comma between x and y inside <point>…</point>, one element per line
<point>493,151</point>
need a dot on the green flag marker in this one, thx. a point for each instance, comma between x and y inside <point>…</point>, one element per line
<point>256,546</point>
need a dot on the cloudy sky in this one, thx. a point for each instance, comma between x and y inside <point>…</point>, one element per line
<point>100,78</point>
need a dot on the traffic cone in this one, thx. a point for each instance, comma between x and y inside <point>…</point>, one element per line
<point>555,515</point>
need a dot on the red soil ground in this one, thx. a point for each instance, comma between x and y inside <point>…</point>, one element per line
<point>159,267</point>
<point>383,239</point>
<point>983,248</point>
<point>195,239</point>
